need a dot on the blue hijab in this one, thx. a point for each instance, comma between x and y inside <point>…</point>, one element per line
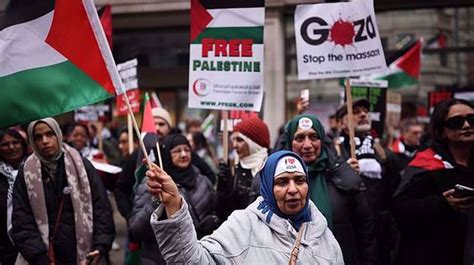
<point>269,204</point>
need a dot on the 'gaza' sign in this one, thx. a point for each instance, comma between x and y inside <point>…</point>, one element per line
<point>338,40</point>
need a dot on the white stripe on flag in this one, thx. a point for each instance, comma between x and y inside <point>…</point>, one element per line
<point>23,46</point>
<point>237,17</point>
<point>103,46</point>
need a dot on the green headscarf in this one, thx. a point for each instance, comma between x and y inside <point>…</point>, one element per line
<point>318,190</point>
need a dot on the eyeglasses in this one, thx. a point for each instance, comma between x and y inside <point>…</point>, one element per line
<point>457,122</point>
<point>178,151</point>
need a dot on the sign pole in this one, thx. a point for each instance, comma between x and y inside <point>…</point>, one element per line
<point>225,136</point>
<point>350,117</point>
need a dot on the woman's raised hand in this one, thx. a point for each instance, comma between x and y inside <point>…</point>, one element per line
<point>162,186</point>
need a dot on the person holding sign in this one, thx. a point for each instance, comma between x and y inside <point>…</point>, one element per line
<point>378,168</point>
<point>281,227</point>
<point>434,205</point>
<point>250,140</point>
<point>336,189</point>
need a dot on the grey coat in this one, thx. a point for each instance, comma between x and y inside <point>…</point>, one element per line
<point>245,238</point>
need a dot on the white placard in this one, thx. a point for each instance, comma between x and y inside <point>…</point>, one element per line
<point>338,40</point>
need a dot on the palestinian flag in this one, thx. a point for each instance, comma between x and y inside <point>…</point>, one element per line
<point>405,70</point>
<point>54,59</point>
<point>437,42</point>
<point>226,50</point>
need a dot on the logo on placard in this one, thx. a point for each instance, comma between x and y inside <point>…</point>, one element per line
<point>202,87</point>
<point>315,31</point>
<point>305,123</point>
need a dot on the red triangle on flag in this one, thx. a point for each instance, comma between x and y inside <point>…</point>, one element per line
<point>70,32</point>
<point>106,21</point>
<point>200,18</point>
<point>148,124</point>
<point>410,62</point>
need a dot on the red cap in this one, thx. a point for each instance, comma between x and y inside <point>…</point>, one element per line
<point>256,130</point>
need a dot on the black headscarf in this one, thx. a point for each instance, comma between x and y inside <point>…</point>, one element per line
<point>183,176</point>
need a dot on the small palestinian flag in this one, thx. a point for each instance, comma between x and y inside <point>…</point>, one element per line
<point>54,59</point>
<point>405,70</point>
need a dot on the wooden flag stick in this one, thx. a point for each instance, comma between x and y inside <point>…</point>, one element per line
<point>137,130</point>
<point>225,136</point>
<point>159,154</point>
<point>130,133</point>
<point>350,118</point>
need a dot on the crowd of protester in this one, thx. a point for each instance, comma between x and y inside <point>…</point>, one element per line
<point>307,200</point>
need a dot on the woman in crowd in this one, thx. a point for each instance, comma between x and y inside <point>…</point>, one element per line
<point>195,187</point>
<point>282,226</point>
<point>336,189</point>
<point>436,222</point>
<point>250,140</point>
<point>13,151</point>
<point>200,146</point>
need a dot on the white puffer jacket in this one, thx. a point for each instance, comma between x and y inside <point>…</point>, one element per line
<point>245,238</point>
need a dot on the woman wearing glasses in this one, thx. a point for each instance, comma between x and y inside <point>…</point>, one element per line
<point>195,187</point>
<point>436,220</point>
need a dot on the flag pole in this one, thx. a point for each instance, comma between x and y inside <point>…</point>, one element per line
<point>350,118</point>
<point>130,133</point>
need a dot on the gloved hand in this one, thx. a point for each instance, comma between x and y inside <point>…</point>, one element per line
<point>226,180</point>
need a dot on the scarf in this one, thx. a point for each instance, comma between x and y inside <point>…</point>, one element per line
<point>10,173</point>
<point>317,181</point>
<point>257,155</point>
<point>182,176</point>
<point>269,205</point>
<point>365,153</point>
<point>80,193</point>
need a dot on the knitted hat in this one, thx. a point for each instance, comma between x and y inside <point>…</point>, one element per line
<point>162,113</point>
<point>256,130</point>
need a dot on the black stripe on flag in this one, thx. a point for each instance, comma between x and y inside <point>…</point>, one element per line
<point>20,11</point>
<point>217,4</point>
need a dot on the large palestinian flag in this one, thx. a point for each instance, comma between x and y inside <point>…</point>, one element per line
<point>226,54</point>
<point>405,70</point>
<point>54,58</point>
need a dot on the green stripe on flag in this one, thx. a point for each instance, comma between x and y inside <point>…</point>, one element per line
<point>399,80</point>
<point>228,33</point>
<point>46,91</point>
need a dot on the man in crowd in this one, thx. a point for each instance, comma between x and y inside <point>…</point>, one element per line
<point>61,214</point>
<point>407,144</point>
<point>377,167</point>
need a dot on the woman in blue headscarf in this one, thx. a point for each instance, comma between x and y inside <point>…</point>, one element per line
<point>281,226</point>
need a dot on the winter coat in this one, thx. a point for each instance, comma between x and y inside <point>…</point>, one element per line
<point>124,192</point>
<point>353,221</point>
<point>245,238</point>
<point>234,191</point>
<point>8,252</point>
<point>26,235</point>
<point>431,231</point>
<point>201,207</point>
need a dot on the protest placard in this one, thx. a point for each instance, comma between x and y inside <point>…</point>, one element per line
<point>338,40</point>
<point>99,112</point>
<point>226,55</point>
<point>376,93</point>
<point>128,73</point>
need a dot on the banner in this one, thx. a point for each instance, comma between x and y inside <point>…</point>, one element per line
<point>128,74</point>
<point>226,55</point>
<point>338,40</point>
<point>376,93</point>
<point>99,112</point>
<point>133,97</point>
<point>434,97</point>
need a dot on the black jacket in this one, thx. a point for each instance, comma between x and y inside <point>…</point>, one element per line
<point>26,235</point>
<point>199,199</point>
<point>352,215</point>
<point>431,231</point>
<point>124,192</point>
<point>8,252</point>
